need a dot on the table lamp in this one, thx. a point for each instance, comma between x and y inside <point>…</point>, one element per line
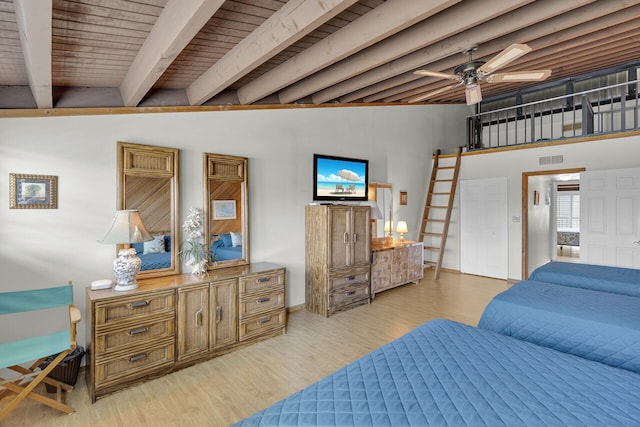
<point>126,228</point>
<point>402,228</point>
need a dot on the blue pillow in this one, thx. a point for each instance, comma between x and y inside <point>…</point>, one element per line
<point>139,247</point>
<point>226,239</point>
<point>217,244</point>
<point>167,242</point>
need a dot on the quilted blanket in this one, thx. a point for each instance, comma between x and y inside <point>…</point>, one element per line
<point>447,373</point>
<point>594,325</point>
<point>625,281</point>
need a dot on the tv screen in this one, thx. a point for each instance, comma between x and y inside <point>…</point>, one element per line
<point>340,178</point>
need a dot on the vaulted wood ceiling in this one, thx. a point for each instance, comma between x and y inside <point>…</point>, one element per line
<point>113,53</point>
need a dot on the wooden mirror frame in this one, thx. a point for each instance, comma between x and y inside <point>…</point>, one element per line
<point>159,165</point>
<point>231,173</point>
<point>381,240</point>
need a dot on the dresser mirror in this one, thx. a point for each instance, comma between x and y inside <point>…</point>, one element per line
<point>382,229</point>
<point>148,182</point>
<point>226,211</point>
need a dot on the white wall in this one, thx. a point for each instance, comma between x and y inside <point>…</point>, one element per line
<point>43,248</point>
<point>615,153</point>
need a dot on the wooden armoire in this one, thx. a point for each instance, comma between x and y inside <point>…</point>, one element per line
<point>338,257</point>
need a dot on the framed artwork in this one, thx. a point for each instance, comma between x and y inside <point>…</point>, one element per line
<point>224,209</point>
<point>403,197</point>
<point>33,191</point>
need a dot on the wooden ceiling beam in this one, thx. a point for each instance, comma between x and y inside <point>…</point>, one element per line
<point>438,28</point>
<point>381,22</point>
<point>482,34</point>
<point>574,24</point>
<point>293,21</point>
<point>34,25</point>
<point>176,26</point>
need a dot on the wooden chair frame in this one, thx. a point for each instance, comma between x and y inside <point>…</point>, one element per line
<point>23,386</point>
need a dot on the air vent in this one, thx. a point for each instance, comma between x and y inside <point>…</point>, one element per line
<point>551,160</point>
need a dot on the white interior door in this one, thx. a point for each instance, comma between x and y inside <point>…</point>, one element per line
<point>610,217</point>
<point>484,227</point>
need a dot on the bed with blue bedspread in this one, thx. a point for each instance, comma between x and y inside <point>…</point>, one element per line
<point>625,281</point>
<point>447,373</point>
<point>595,325</point>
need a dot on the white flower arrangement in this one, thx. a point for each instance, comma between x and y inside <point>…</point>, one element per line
<point>193,248</point>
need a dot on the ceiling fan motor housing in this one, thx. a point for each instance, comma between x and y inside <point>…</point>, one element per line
<point>469,72</point>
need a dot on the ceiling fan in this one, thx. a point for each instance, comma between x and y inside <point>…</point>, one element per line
<point>471,73</point>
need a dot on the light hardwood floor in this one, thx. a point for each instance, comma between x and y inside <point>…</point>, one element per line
<point>229,388</point>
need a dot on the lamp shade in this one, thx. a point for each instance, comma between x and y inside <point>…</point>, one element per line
<point>126,228</point>
<point>402,227</point>
<point>388,226</point>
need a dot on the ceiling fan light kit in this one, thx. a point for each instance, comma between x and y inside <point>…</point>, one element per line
<point>472,72</point>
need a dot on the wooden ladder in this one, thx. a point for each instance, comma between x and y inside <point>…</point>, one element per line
<point>442,178</point>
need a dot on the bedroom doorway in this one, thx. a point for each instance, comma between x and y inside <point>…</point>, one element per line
<point>539,216</point>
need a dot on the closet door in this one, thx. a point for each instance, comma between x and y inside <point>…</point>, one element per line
<point>610,217</point>
<point>484,227</point>
<point>360,235</point>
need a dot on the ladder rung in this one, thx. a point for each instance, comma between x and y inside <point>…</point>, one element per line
<point>432,263</point>
<point>437,207</point>
<point>442,180</point>
<point>445,167</point>
<point>427,233</point>
<point>434,220</point>
<point>431,248</point>
<point>441,193</point>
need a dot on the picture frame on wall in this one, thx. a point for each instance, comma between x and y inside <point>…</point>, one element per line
<point>33,191</point>
<point>224,209</point>
<point>403,197</point>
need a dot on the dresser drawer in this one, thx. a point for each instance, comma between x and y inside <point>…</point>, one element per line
<point>134,335</point>
<point>134,364</point>
<point>342,281</point>
<point>380,257</point>
<point>259,304</point>
<point>348,294</point>
<point>273,280</point>
<point>135,306</point>
<point>256,326</point>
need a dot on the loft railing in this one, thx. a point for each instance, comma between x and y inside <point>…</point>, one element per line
<point>604,110</point>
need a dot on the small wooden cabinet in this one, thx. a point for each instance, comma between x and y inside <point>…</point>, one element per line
<point>396,264</point>
<point>175,321</point>
<point>338,257</point>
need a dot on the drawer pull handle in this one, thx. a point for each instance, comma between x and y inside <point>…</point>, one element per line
<point>264,320</point>
<point>139,304</point>
<point>263,299</point>
<point>350,278</point>
<point>137,357</point>
<point>349,293</point>
<point>138,331</point>
<point>263,279</point>
<point>218,314</point>
<point>199,317</point>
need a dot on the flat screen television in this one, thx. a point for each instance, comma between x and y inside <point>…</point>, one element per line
<point>340,178</point>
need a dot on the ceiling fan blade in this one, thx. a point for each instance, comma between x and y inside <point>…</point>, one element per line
<point>508,55</point>
<point>430,94</point>
<point>519,76</point>
<point>436,74</point>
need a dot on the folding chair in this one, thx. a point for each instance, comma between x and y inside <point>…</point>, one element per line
<point>48,338</point>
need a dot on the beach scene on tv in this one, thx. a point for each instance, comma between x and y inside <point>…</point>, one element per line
<point>340,178</point>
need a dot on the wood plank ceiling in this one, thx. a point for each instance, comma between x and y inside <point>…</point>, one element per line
<point>113,53</point>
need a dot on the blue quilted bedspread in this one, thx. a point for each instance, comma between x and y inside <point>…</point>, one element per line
<point>594,325</point>
<point>446,373</point>
<point>625,281</point>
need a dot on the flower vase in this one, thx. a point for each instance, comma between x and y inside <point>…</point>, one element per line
<point>198,268</point>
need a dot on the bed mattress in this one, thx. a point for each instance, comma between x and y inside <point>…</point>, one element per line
<point>594,325</point>
<point>625,281</point>
<point>447,373</point>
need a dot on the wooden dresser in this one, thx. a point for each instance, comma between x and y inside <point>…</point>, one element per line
<point>338,257</point>
<point>175,321</point>
<point>396,264</point>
